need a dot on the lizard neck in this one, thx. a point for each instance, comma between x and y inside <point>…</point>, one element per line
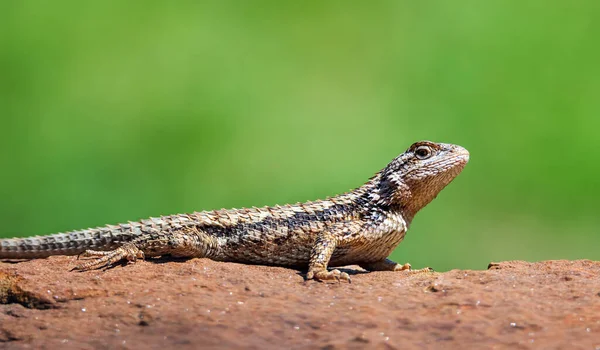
<point>375,195</point>
<point>381,196</point>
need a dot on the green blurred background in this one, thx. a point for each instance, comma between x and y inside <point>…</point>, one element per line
<point>113,110</point>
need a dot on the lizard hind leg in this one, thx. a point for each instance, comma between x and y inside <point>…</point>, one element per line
<point>127,251</point>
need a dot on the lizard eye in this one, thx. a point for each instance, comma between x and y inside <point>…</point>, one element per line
<point>423,152</point>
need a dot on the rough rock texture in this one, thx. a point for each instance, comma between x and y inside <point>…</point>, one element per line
<point>199,303</point>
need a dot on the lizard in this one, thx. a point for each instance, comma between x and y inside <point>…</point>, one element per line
<point>360,227</point>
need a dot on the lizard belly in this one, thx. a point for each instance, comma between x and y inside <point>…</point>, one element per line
<point>367,250</point>
<point>293,251</point>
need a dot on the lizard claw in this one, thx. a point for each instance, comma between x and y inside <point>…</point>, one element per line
<point>93,254</point>
<point>407,268</point>
<point>127,251</point>
<point>324,275</point>
<point>423,270</point>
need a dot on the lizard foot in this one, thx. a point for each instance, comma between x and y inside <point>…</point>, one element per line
<point>389,265</point>
<point>324,275</point>
<point>407,268</point>
<point>423,270</point>
<point>127,251</point>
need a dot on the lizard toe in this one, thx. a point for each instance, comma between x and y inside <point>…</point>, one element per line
<point>324,275</point>
<point>127,252</point>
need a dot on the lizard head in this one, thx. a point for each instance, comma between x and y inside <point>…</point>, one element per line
<point>414,178</point>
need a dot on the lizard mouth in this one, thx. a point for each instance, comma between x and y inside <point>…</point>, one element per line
<point>463,154</point>
<point>462,159</point>
<point>457,159</point>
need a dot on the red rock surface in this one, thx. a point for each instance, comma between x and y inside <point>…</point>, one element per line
<point>204,304</point>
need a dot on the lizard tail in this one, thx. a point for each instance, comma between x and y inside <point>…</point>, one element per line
<point>107,237</point>
<point>68,243</point>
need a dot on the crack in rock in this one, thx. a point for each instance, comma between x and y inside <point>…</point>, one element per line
<point>12,293</point>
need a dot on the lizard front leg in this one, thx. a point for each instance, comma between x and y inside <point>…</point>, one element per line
<point>389,265</point>
<point>323,250</point>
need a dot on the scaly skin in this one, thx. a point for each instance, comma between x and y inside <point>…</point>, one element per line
<point>359,227</point>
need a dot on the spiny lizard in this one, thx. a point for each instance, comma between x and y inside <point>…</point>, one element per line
<point>361,227</point>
